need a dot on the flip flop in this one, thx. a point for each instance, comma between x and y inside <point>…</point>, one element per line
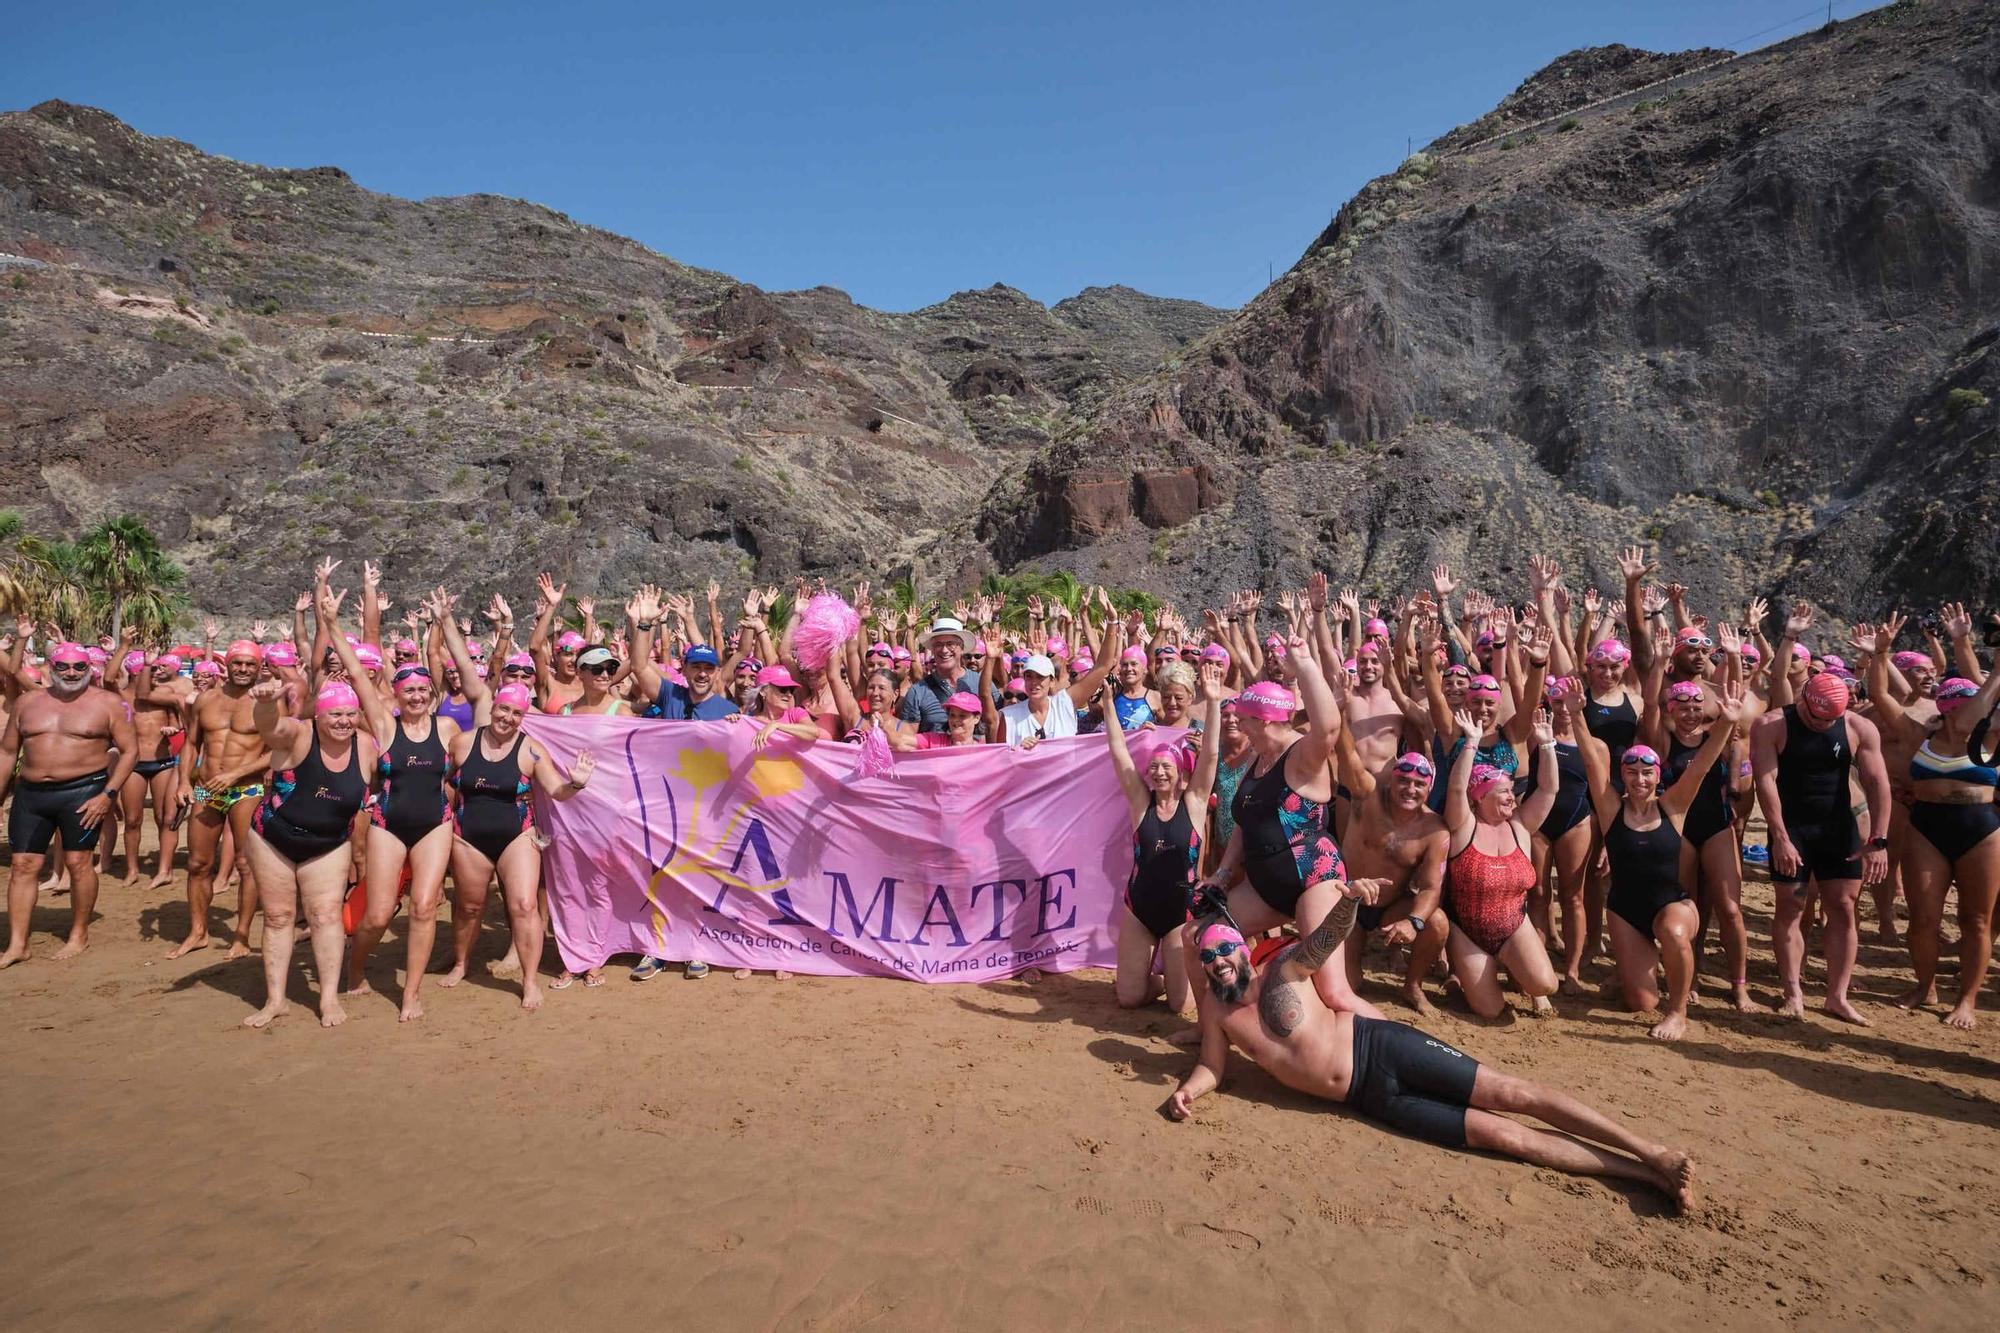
<point>563,982</point>
<point>592,980</point>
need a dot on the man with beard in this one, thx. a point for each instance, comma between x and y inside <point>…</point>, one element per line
<point>223,763</point>
<point>1393,835</point>
<point>63,737</point>
<point>1391,1072</point>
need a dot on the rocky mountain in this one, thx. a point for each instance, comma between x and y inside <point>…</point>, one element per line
<point>268,364</point>
<point>1743,311</point>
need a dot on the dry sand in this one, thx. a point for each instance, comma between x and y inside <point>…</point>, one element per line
<point>834,1154</point>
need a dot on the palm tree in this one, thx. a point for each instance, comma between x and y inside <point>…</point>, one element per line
<point>54,582</point>
<point>122,565</point>
<point>14,594</point>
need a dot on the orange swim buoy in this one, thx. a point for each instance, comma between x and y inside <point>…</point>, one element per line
<point>356,905</point>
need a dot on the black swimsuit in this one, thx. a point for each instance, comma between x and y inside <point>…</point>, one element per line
<point>412,803</point>
<point>1572,805</point>
<point>493,805</point>
<point>310,809</point>
<point>1711,812</point>
<point>1287,846</point>
<point>1617,725</point>
<point>1645,871</point>
<point>1814,799</point>
<point>1165,853</point>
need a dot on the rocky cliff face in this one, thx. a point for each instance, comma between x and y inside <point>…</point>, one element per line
<point>266,365</point>
<point>1724,314</point>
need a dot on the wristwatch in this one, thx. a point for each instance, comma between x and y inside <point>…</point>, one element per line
<point>1878,844</point>
<point>644,624</point>
<point>1417,921</point>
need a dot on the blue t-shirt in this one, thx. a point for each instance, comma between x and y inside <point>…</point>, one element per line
<point>923,702</point>
<point>676,704</point>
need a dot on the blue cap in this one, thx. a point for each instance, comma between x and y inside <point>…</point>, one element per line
<point>701,655</point>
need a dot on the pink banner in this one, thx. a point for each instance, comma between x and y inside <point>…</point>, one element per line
<point>966,864</point>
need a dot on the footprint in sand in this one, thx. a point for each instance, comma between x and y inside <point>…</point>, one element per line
<point>1339,1214</point>
<point>1086,1204</point>
<point>1214,1235</point>
<point>1147,1207</point>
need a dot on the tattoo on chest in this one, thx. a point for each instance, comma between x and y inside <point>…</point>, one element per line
<point>1279,1003</point>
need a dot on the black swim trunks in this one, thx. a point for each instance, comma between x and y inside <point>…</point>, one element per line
<point>1410,1081</point>
<point>41,809</point>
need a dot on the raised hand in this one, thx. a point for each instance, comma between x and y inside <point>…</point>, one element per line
<point>1538,644</point>
<point>1467,726</point>
<point>1676,594</point>
<point>1755,612</point>
<point>1545,730</point>
<point>1885,637</point>
<point>371,574</point>
<point>1728,639</point>
<point>267,689</point>
<point>1800,621</point>
<point>1731,704</point>
<point>1632,563</point>
<point>1208,685</point>
<point>1442,583</point>
<point>580,771</point>
<point>212,629</point>
<point>1955,620</point>
<point>1593,600</point>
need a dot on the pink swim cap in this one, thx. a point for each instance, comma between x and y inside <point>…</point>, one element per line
<point>1016,685</point>
<point>335,694</point>
<point>405,645</point>
<point>1610,652</point>
<point>1375,629</point>
<point>243,648</point>
<point>369,656</point>
<point>475,650</point>
<point>1484,686</point>
<point>97,656</point>
<point>1484,779</point>
<point>519,660</point>
<point>171,661</point>
<point>1133,654</point>
<point>1748,652</point>
<point>1909,661</point>
<point>1266,700</point>
<point>1082,663</point>
<point>514,696</point>
<point>569,641</point>
<point>1215,652</point>
<point>1834,662</point>
<point>69,653</point>
<point>1057,646</point>
<point>880,649</point>
<point>1683,691</point>
<point>207,668</point>
<point>1642,756</point>
<point>282,655</point>
<point>134,660</point>
<point>1954,692</point>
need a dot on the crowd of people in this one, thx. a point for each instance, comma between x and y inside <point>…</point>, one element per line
<point>1496,793</point>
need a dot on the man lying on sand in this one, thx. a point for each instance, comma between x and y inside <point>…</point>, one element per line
<point>1389,1071</point>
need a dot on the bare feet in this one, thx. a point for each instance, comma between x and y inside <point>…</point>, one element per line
<point>1189,1036</point>
<point>263,1017</point>
<point>237,949</point>
<point>357,986</point>
<point>331,1015</point>
<point>132,877</point>
<point>1846,1012</point>
<point>782,975</point>
<point>531,997</point>
<point>75,947</point>
<point>1962,1016</point>
<point>741,974</point>
<point>20,955</point>
<point>1741,997</point>
<point>1792,1006</point>
<point>162,880</point>
<point>1032,975</point>
<point>1419,1001</point>
<point>452,978</point>
<point>188,946</point>
<point>510,966</point>
<point>1676,1172</point>
<point>1887,933</point>
<point>413,1009</point>
<point>1918,997</point>
<point>594,978</point>
<point>1544,1008</point>
<point>1571,984</point>
<point>1671,1028</point>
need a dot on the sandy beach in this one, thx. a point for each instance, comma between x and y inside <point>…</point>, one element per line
<point>841,1154</point>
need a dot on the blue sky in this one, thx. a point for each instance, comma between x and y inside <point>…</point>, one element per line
<point>901,151</point>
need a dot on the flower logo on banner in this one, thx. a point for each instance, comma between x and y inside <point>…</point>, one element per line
<point>717,856</point>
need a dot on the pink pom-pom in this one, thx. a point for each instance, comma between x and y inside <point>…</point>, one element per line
<point>877,759</point>
<point>826,623</point>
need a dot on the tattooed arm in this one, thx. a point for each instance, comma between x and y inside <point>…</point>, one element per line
<point>1280,1003</point>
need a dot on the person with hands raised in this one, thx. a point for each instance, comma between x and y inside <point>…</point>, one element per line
<point>1653,919</point>
<point>300,833</point>
<point>1954,826</point>
<point>409,822</point>
<point>1489,873</point>
<point>494,768</point>
<point>1169,811</point>
<point>1282,863</point>
<point>698,700</point>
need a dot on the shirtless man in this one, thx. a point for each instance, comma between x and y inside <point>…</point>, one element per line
<point>160,700</point>
<point>63,737</point>
<point>1899,746</point>
<point>1393,835</point>
<point>1391,1072</point>
<point>222,769</point>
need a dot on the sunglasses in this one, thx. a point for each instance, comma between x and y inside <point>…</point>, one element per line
<point>517,671</point>
<point>1011,698</point>
<point>1223,950</point>
<point>601,669</point>
<point>70,666</point>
